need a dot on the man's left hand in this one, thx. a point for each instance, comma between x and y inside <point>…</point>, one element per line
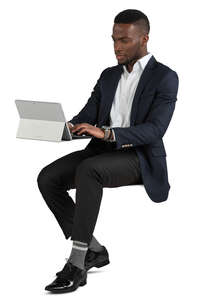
<point>87,128</point>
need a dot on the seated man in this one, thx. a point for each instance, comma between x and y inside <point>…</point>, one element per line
<point>131,105</point>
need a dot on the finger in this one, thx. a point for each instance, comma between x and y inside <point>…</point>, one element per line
<point>75,128</point>
<point>78,128</point>
<point>81,131</point>
<point>79,125</point>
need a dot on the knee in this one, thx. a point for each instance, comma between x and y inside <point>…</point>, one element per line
<point>43,178</point>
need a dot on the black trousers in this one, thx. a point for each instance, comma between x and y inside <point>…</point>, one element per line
<point>87,171</point>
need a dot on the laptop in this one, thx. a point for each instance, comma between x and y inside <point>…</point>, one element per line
<point>45,121</point>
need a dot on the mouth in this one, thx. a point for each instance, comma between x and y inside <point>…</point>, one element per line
<point>119,56</point>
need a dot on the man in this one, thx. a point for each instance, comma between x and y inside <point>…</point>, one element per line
<point>131,105</point>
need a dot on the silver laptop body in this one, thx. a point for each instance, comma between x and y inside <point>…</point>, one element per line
<point>44,121</point>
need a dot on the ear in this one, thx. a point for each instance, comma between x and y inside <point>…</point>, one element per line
<point>144,40</point>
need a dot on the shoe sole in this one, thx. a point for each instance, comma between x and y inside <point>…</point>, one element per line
<point>99,265</point>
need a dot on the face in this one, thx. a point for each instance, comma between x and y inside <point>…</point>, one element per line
<point>129,43</point>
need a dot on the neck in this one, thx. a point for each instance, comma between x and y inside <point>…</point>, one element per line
<point>130,65</point>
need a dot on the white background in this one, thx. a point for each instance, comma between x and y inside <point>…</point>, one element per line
<point>55,51</point>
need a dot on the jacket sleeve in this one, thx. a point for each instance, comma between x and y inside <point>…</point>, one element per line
<point>158,118</point>
<point>89,112</point>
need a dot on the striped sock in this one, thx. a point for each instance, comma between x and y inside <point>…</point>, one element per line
<point>77,255</point>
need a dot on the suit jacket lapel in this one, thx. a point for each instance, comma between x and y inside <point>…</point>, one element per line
<point>113,83</point>
<point>145,77</point>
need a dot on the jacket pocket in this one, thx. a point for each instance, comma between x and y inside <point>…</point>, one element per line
<point>158,151</point>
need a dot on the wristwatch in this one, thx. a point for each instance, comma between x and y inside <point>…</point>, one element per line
<point>107,132</point>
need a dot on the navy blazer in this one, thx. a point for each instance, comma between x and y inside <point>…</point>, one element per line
<point>151,112</point>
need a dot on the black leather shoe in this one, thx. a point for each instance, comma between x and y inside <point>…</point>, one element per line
<point>68,280</point>
<point>95,259</point>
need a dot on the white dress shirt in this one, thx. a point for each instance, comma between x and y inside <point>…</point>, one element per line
<point>122,103</point>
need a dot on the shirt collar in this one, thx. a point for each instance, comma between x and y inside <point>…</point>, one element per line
<point>140,63</point>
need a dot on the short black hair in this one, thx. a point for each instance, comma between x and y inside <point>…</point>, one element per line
<point>134,16</point>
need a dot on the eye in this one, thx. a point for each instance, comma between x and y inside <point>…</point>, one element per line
<point>123,41</point>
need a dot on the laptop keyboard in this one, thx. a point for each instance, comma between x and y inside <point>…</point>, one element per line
<point>81,135</point>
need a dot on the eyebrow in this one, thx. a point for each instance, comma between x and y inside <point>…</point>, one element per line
<point>123,37</point>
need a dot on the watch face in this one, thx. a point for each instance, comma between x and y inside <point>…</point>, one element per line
<point>107,133</point>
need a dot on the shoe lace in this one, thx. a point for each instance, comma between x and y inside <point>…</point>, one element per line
<point>67,269</point>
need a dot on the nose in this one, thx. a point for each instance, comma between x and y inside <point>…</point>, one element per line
<point>118,47</point>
